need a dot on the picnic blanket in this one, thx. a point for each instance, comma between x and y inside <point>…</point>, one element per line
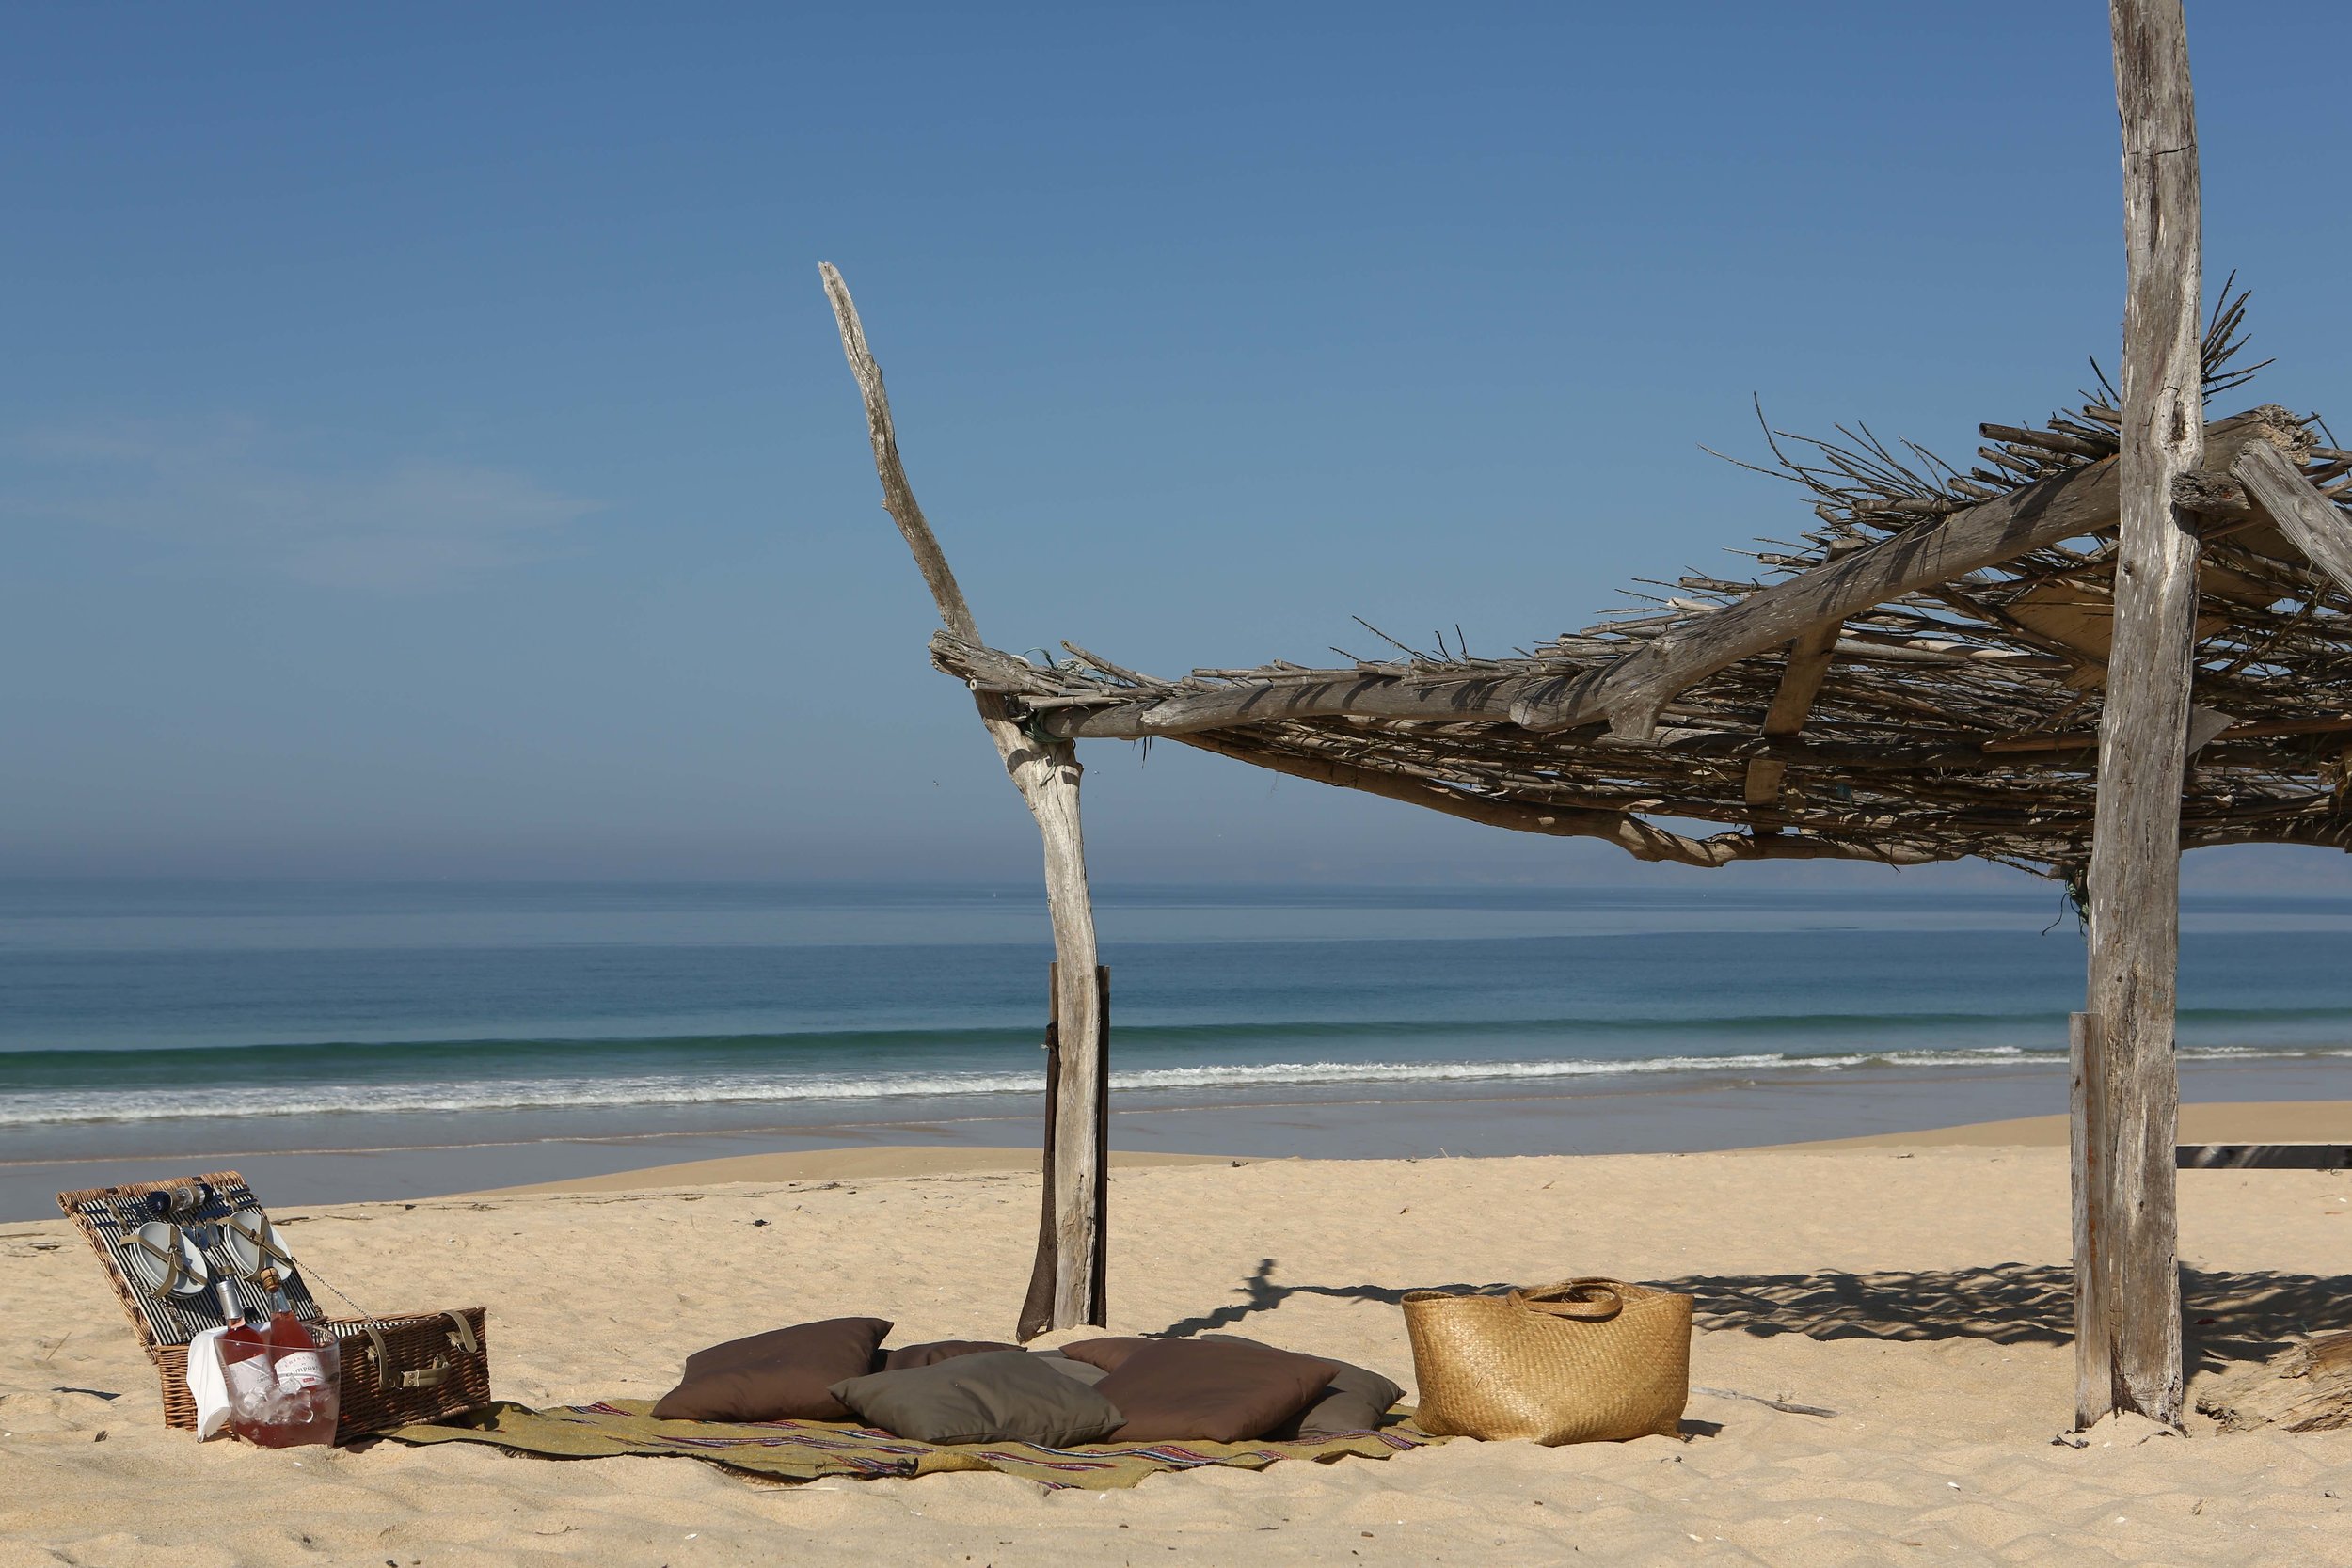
<point>803,1450</point>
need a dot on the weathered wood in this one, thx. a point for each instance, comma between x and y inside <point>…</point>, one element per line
<point>2048,440</point>
<point>1631,694</point>
<point>2085,1076</point>
<point>2309,1388</point>
<point>1944,751</point>
<point>1800,682</point>
<point>2136,854</point>
<point>1761,785</point>
<point>1369,695</point>
<point>1630,691</point>
<point>2310,521</point>
<point>1638,838</point>
<point>1098,1304</point>
<point>1036,1305</point>
<point>1047,775</point>
<point>2079,739</point>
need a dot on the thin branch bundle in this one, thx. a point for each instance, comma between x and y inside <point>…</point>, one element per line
<point>1957,717</point>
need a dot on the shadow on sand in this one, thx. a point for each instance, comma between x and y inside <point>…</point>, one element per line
<point>2229,1318</point>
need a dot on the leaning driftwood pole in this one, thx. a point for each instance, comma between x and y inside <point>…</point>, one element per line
<point>1067,1282</point>
<point>2128,1354</point>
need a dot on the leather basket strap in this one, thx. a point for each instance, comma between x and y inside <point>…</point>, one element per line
<point>383,1355</point>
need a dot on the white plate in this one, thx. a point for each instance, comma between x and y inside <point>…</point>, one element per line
<point>151,1271</point>
<point>248,1234</point>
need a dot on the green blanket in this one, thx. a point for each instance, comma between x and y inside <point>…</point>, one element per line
<point>803,1450</point>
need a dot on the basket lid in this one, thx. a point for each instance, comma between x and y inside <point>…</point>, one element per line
<point>111,1217</point>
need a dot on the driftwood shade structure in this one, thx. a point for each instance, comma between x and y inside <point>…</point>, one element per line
<point>1066,1286</point>
<point>2106,635</point>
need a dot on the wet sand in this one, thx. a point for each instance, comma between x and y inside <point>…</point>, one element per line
<point>351,1158</point>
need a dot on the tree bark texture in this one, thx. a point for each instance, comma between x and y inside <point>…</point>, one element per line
<point>2132,1361</point>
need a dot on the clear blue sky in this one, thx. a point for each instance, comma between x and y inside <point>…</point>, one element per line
<point>424,450</point>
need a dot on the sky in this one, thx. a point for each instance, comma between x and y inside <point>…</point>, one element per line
<point>425,450</point>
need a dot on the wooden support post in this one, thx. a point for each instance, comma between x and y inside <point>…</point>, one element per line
<point>2093,1310</point>
<point>1099,1304</point>
<point>2131,1357</point>
<point>1046,772</point>
<point>1036,1307</point>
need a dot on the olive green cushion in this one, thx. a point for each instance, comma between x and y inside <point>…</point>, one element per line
<point>1001,1396</point>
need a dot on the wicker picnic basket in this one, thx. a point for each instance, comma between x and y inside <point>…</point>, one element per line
<point>396,1368</point>
<point>1583,1361</point>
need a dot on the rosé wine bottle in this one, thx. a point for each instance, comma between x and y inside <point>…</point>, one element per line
<point>283,1383</point>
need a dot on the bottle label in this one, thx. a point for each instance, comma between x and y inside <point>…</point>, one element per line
<point>301,1369</point>
<point>250,1379</point>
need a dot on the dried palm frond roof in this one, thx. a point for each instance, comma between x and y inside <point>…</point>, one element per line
<point>1919,679</point>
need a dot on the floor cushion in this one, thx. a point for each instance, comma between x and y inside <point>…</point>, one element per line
<point>1175,1390</point>
<point>784,1374</point>
<point>994,1397</point>
<point>1085,1372</point>
<point>901,1357</point>
<point>1108,1352</point>
<point>1355,1401</point>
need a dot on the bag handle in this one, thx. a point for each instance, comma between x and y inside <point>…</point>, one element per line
<point>1589,1300</point>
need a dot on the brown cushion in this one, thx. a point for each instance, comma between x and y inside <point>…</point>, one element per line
<point>782,1375</point>
<point>1189,1389</point>
<point>1356,1400</point>
<point>1109,1353</point>
<point>905,1356</point>
<point>1085,1372</point>
<point>996,1397</point>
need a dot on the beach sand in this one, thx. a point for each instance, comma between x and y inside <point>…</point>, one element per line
<point>2316,1122</point>
<point>1920,1290</point>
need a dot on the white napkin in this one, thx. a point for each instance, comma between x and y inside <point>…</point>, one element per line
<point>207,1383</point>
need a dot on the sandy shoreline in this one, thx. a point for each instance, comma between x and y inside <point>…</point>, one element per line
<point>832,1164</point>
<point>2325,1121</point>
<point>2319,1121</point>
<point>1920,1291</point>
<point>359,1158</point>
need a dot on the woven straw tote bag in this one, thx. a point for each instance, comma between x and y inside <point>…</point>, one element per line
<point>1583,1361</point>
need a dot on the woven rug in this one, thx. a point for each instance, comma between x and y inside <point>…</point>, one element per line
<point>803,1450</point>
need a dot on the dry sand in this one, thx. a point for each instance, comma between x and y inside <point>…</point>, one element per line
<point>1921,1292</point>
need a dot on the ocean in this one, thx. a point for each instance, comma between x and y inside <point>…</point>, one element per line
<point>153,1021</point>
